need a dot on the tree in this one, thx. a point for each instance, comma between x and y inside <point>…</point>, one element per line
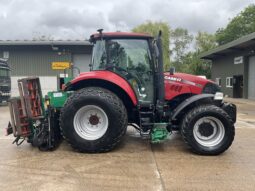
<point>180,42</point>
<point>183,57</point>
<point>242,24</point>
<point>153,28</point>
<point>196,66</point>
<point>203,42</point>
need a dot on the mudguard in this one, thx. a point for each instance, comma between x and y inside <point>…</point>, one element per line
<point>189,101</point>
<point>109,77</point>
<point>230,109</point>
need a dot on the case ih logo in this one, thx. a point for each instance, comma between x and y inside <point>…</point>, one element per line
<point>173,78</point>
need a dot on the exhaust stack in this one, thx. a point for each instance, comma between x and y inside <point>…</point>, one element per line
<point>160,76</point>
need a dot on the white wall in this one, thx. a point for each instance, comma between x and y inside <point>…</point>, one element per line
<point>48,83</point>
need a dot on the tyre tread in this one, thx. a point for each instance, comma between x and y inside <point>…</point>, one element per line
<point>185,129</point>
<point>107,96</point>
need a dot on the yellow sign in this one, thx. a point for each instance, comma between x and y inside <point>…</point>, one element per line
<point>60,65</point>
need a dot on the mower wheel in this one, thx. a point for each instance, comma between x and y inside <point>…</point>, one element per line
<point>208,130</point>
<point>93,120</point>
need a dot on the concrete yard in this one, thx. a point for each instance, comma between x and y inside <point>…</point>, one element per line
<point>134,165</point>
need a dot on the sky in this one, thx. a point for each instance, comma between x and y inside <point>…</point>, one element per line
<point>77,19</point>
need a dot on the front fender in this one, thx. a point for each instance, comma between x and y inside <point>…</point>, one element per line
<point>107,76</point>
<point>189,101</point>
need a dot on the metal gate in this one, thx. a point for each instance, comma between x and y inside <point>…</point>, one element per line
<point>251,78</point>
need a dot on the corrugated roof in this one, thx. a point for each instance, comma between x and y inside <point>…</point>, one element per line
<point>43,42</point>
<point>236,45</point>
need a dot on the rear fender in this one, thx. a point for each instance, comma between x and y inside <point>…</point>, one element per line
<point>104,76</point>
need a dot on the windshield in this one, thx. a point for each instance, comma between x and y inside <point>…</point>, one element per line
<point>125,53</point>
<point>99,55</point>
<point>4,72</point>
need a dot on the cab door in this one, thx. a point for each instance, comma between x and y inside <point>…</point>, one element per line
<point>131,58</point>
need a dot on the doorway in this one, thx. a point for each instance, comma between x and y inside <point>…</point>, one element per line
<point>238,86</point>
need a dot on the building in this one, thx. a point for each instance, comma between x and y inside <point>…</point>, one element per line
<point>233,67</point>
<point>34,58</point>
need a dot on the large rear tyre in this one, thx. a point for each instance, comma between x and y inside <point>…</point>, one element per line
<point>208,130</point>
<point>93,120</point>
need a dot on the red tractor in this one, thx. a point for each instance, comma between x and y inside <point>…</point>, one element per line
<point>126,85</point>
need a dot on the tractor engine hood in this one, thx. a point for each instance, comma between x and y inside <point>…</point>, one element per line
<point>187,79</point>
<point>180,83</point>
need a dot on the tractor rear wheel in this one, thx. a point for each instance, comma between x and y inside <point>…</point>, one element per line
<point>93,120</point>
<point>208,130</point>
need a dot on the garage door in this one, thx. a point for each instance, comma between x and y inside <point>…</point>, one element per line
<point>81,61</point>
<point>251,78</point>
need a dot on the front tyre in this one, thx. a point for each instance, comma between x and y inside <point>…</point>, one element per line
<point>208,130</point>
<point>93,120</point>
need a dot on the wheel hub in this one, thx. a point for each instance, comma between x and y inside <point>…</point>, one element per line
<point>90,122</point>
<point>94,120</point>
<point>208,131</point>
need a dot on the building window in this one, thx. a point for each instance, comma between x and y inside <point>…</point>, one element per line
<point>218,81</point>
<point>229,82</point>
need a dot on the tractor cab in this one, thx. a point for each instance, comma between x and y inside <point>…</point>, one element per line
<point>130,56</point>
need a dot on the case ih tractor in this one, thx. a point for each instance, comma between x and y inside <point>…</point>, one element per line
<point>125,86</point>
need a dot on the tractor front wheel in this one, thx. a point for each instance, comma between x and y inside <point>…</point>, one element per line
<point>93,120</point>
<point>208,130</point>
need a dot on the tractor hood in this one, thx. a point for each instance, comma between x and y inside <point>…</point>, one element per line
<point>180,83</point>
<point>187,79</point>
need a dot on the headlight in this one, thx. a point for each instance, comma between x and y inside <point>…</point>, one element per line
<point>218,96</point>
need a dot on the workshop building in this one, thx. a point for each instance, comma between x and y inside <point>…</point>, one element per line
<point>34,58</point>
<point>233,67</point>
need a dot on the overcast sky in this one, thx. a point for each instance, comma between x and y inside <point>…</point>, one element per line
<point>76,19</point>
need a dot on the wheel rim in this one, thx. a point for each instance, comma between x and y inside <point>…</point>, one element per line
<point>209,131</point>
<point>90,122</point>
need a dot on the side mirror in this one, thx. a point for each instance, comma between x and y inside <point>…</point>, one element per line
<point>172,70</point>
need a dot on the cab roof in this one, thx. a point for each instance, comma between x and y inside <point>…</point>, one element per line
<point>120,35</point>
